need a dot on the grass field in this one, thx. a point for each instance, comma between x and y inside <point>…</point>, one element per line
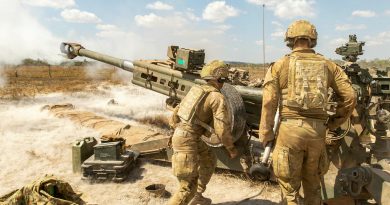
<point>255,71</point>
<point>27,81</point>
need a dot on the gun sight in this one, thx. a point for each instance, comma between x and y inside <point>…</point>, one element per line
<point>351,50</point>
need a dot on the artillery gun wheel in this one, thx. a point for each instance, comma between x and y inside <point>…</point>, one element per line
<point>236,109</point>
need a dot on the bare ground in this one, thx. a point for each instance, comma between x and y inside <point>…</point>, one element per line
<point>35,143</point>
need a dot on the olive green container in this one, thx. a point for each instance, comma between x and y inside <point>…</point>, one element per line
<point>82,149</point>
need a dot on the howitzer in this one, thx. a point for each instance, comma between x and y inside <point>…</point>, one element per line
<point>363,165</point>
<point>175,76</point>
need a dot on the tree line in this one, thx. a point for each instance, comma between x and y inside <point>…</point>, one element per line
<point>375,63</point>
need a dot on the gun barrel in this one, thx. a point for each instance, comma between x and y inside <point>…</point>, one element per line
<point>72,50</point>
<point>160,77</point>
<point>124,64</point>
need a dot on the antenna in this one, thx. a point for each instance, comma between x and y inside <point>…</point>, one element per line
<point>263,44</point>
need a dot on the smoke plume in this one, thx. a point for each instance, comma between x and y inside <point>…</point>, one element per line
<point>23,36</point>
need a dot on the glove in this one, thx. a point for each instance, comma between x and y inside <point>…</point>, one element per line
<point>264,140</point>
<point>264,143</point>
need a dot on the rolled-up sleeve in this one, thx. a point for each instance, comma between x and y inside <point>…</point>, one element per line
<point>221,120</point>
<point>269,106</point>
<point>347,98</point>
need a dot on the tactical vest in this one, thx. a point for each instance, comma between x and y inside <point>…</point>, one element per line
<point>190,103</point>
<point>307,83</point>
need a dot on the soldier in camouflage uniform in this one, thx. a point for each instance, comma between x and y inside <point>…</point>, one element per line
<point>193,162</point>
<point>297,85</point>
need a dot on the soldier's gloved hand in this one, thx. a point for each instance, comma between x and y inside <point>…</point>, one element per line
<point>233,152</point>
<point>331,137</point>
<point>264,140</point>
<point>264,143</point>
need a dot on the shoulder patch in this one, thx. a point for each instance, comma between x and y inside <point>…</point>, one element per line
<point>268,77</point>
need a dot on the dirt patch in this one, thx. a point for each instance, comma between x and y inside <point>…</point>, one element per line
<point>160,121</point>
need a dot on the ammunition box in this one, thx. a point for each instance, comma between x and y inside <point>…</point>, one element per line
<point>108,151</point>
<point>115,170</point>
<point>187,59</point>
<point>82,149</point>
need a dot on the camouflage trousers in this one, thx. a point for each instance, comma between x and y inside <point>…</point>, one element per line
<point>299,158</point>
<point>193,170</point>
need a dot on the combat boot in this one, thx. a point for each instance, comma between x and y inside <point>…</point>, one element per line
<point>199,199</point>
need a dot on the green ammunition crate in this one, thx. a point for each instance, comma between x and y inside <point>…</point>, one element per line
<point>116,170</point>
<point>82,149</point>
<point>108,151</point>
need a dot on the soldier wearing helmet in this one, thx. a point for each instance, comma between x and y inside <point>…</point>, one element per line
<point>193,162</point>
<point>297,85</point>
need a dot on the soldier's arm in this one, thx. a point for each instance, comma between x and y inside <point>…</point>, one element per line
<point>269,105</point>
<point>342,86</point>
<point>221,119</point>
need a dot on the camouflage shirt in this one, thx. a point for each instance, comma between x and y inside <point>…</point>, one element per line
<point>277,79</point>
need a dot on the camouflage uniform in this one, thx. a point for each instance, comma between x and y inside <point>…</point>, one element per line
<point>193,162</point>
<point>299,155</point>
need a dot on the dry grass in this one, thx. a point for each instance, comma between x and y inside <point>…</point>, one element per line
<point>255,72</point>
<point>28,81</point>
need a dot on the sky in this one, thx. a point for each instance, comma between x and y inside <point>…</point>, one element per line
<point>229,30</point>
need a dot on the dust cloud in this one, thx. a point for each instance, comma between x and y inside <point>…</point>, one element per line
<point>24,36</point>
<point>92,70</point>
<point>95,69</point>
<point>35,143</point>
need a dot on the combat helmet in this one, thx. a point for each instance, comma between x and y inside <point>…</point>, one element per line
<point>301,29</point>
<point>216,69</point>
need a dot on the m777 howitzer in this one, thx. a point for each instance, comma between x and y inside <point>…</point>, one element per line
<point>174,77</point>
<point>361,154</point>
<point>361,168</point>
